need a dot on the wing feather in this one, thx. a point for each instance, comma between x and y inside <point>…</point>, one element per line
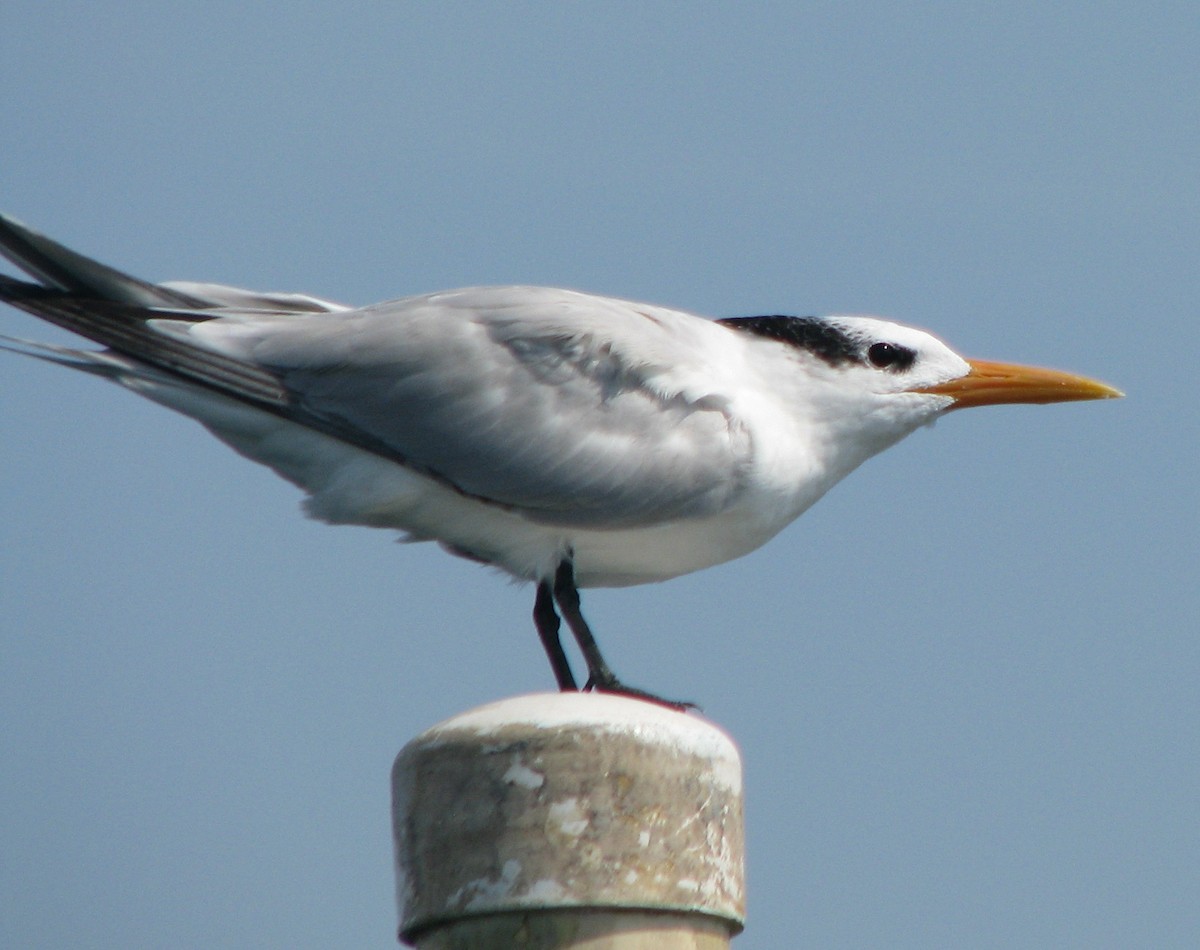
<point>553,403</point>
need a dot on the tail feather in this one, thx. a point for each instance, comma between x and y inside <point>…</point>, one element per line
<point>60,268</point>
<point>116,310</point>
<point>120,312</point>
<point>66,270</point>
<point>100,362</point>
<point>124,327</point>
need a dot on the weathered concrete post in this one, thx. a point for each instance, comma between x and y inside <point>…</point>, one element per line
<point>569,820</point>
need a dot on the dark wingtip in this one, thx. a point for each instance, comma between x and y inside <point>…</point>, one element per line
<point>60,268</point>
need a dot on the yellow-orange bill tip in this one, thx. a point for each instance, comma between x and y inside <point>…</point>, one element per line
<point>997,384</point>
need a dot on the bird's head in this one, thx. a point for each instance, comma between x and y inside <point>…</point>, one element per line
<point>892,359</point>
<point>866,383</point>
<point>871,357</point>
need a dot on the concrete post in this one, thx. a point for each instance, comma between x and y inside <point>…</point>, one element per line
<point>569,820</point>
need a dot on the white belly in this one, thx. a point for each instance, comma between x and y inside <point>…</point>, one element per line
<point>347,485</point>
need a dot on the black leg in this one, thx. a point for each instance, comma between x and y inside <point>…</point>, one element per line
<point>547,624</point>
<point>567,594</point>
<point>600,676</point>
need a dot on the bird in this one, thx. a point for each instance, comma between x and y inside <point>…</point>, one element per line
<point>570,440</point>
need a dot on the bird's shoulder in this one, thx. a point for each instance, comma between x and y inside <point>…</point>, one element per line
<point>544,333</point>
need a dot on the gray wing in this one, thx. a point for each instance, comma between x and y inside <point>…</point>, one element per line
<point>572,408</point>
<point>518,396</point>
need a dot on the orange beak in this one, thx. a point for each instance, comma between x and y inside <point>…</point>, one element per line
<point>997,384</point>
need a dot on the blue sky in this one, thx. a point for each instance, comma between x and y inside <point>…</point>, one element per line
<point>963,684</point>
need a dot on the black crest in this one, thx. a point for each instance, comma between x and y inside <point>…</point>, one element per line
<point>818,337</point>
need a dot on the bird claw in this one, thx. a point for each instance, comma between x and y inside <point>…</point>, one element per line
<point>611,684</point>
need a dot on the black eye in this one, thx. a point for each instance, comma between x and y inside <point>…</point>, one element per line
<point>883,355</point>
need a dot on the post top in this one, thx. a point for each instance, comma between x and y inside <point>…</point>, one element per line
<point>649,723</point>
<point>567,801</point>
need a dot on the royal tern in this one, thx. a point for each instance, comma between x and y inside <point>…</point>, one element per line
<point>569,439</point>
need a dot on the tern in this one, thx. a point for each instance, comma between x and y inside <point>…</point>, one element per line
<point>570,440</point>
